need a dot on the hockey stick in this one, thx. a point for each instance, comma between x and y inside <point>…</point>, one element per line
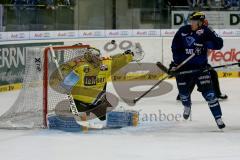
<point>163,68</point>
<point>206,69</point>
<point>73,107</point>
<point>166,77</point>
<point>227,65</point>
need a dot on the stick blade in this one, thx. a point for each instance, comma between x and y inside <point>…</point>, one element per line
<point>162,67</point>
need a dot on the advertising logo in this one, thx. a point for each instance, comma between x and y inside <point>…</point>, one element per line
<point>229,56</point>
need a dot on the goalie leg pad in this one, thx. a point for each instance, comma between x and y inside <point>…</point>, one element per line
<point>119,119</point>
<point>67,124</point>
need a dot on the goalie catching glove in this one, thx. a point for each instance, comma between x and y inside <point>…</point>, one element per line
<point>138,54</point>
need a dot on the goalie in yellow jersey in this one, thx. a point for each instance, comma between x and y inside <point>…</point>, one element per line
<point>86,78</point>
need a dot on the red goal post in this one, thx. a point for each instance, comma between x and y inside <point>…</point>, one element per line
<point>46,72</point>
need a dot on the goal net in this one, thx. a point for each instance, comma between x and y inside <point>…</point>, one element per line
<point>37,98</point>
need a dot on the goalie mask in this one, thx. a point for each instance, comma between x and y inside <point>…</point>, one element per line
<point>93,56</point>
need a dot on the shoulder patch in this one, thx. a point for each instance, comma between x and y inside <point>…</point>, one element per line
<point>184,34</point>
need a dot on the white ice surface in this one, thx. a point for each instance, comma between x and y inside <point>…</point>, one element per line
<point>198,139</point>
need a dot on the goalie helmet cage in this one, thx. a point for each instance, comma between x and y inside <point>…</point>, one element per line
<point>37,99</point>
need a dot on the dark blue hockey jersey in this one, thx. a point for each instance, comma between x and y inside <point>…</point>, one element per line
<point>187,42</point>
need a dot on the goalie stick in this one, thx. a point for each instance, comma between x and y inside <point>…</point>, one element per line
<point>73,107</point>
<point>164,78</point>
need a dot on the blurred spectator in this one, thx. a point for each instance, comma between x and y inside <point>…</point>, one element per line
<point>32,2</point>
<point>235,3</point>
<point>19,2</point>
<point>208,3</point>
<point>176,2</point>
<point>67,2</point>
<point>73,2</point>
<point>6,1</point>
<point>191,3</point>
<point>50,4</point>
<point>226,4</point>
<point>199,4</point>
<point>195,3</point>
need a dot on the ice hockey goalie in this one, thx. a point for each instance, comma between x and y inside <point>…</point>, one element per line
<point>85,77</point>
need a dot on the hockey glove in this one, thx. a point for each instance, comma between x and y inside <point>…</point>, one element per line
<point>172,68</point>
<point>137,54</point>
<point>128,52</point>
<point>205,22</point>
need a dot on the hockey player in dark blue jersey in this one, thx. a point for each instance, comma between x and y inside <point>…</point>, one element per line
<point>196,38</point>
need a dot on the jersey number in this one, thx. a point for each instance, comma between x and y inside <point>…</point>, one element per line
<point>189,51</point>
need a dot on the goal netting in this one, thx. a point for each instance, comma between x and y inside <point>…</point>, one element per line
<point>37,98</point>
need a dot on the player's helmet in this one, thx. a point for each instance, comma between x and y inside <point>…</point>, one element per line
<point>197,16</point>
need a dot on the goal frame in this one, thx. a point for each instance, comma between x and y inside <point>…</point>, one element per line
<point>46,52</point>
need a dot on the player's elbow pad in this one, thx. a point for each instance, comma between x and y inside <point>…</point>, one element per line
<point>221,44</point>
<point>218,44</point>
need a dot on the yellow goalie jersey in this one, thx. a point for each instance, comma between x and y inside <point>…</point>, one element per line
<point>87,81</point>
